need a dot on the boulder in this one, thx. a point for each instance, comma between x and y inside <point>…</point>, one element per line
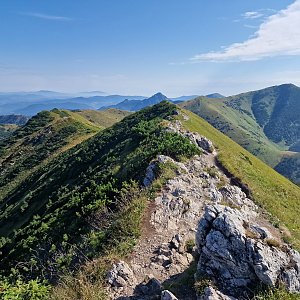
<point>161,159</point>
<point>239,254</point>
<point>121,275</point>
<point>205,144</point>
<point>200,141</point>
<point>211,294</point>
<point>151,288</point>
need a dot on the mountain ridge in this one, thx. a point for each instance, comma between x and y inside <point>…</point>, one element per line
<point>265,122</point>
<point>82,212</point>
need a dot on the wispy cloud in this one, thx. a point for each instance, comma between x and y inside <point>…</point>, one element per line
<point>252,15</point>
<point>45,16</point>
<point>278,35</point>
<point>250,26</point>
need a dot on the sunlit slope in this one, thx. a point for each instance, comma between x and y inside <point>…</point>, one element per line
<point>67,211</point>
<point>43,137</point>
<point>272,191</point>
<point>265,122</point>
<point>104,118</point>
<point>240,125</point>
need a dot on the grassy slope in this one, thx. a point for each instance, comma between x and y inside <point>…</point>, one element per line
<point>104,118</point>
<point>7,130</point>
<point>265,122</point>
<point>272,191</point>
<point>240,125</point>
<point>45,136</point>
<point>84,185</point>
<point>67,187</point>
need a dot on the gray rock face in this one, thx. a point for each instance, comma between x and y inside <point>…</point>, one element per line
<point>195,138</point>
<point>151,288</point>
<point>120,275</point>
<point>211,294</point>
<point>238,253</point>
<point>204,143</point>
<point>161,159</point>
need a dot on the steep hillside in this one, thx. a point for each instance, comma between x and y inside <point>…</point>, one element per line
<point>277,195</point>
<point>290,167</point>
<point>13,119</point>
<point>7,130</point>
<point>68,207</point>
<point>45,136</point>
<point>265,122</point>
<point>86,206</point>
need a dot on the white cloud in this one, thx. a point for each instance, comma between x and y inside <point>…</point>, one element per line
<point>45,16</point>
<point>278,35</point>
<point>252,15</point>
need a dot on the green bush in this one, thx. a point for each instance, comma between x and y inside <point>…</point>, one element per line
<point>21,290</point>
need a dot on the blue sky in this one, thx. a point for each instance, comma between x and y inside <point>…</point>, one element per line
<point>144,46</point>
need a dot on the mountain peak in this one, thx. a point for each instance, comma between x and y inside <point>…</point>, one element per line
<point>158,95</point>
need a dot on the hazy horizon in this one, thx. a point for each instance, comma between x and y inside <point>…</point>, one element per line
<point>140,48</point>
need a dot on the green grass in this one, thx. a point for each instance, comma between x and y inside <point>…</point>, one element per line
<point>240,125</point>
<point>277,294</point>
<point>44,137</point>
<point>264,122</point>
<point>273,192</point>
<point>105,118</point>
<point>84,184</point>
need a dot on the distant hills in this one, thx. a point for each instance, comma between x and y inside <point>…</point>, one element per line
<point>10,123</point>
<point>13,119</point>
<point>265,122</point>
<point>135,105</point>
<point>31,103</point>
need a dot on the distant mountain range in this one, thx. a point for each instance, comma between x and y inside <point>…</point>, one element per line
<point>265,122</point>
<point>31,103</point>
<point>13,119</point>
<point>135,105</point>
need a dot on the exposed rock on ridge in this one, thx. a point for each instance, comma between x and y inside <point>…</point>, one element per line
<point>239,254</point>
<point>201,141</point>
<point>238,249</point>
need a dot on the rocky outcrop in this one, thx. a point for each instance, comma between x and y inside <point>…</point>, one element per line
<point>151,169</point>
<point>238,250</point>
<point>121,275</point>
<point>212,294</point>
<point>239,254</point>
<point>201,141</point>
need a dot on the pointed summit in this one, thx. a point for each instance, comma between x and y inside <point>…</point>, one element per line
<point>135,105</point>
<point>156,98</point>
